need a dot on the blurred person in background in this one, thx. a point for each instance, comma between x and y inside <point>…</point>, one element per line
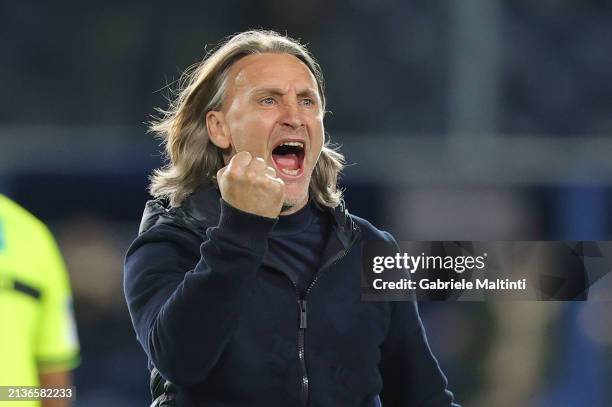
<point>244,285</point>
<point>38,341</point>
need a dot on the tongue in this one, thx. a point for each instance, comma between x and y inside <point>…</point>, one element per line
<point>287,161</point>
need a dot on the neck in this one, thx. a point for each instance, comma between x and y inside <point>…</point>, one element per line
<point>291,207</point>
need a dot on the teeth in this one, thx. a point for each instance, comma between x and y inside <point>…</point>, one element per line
<point>290,172</point>
<point>293,143</point>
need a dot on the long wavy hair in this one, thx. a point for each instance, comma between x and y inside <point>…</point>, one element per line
<point>191,159</point>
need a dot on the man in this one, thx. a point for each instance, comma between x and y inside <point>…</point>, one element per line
<point>38,342</point>
<point>244,283</point>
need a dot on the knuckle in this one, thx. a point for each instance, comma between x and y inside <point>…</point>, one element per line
<point>256,179</point>
<point>242,158</point>
<point>234,174</point>
<point>278,185</point>
<point>251,176</point>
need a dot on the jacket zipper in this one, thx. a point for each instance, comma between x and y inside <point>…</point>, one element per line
<point>303,322</point>
<point>302,352</point>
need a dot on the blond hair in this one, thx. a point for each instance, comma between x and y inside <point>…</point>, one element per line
<point>191,158</point>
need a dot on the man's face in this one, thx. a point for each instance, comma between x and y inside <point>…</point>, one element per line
<point>272,109</point>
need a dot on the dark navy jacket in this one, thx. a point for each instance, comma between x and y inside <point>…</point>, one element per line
<point>228,329</point>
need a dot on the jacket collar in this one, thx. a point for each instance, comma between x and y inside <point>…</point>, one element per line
<point>202,209</point>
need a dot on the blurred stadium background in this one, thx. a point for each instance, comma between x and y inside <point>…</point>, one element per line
<point>462,120</point>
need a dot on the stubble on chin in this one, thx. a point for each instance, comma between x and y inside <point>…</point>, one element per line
<point>289,205</point>
<point>286,206</point>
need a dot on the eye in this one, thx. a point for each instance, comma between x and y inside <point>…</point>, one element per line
<point>268,101</point>
<point>307,102</point>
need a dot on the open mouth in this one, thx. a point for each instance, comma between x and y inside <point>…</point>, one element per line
<point>288,157</point>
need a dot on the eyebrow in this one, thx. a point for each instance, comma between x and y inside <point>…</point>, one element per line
<point>280,92</point>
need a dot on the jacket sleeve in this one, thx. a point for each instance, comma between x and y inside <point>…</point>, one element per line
<point>411,375</point>
<point>185,304</point>
<point>410,372</point>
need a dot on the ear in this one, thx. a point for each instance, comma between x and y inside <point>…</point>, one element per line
<point>217,129</point>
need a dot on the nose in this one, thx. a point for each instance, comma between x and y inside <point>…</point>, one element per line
<point>291,115</point>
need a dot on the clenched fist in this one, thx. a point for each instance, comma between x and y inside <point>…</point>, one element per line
<point>248,184</point>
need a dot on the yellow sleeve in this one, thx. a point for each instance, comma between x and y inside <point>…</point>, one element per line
<point>57,345</point>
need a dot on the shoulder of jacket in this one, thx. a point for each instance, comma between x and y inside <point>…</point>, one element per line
<point>370,232</point>
<point>159,212</point>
